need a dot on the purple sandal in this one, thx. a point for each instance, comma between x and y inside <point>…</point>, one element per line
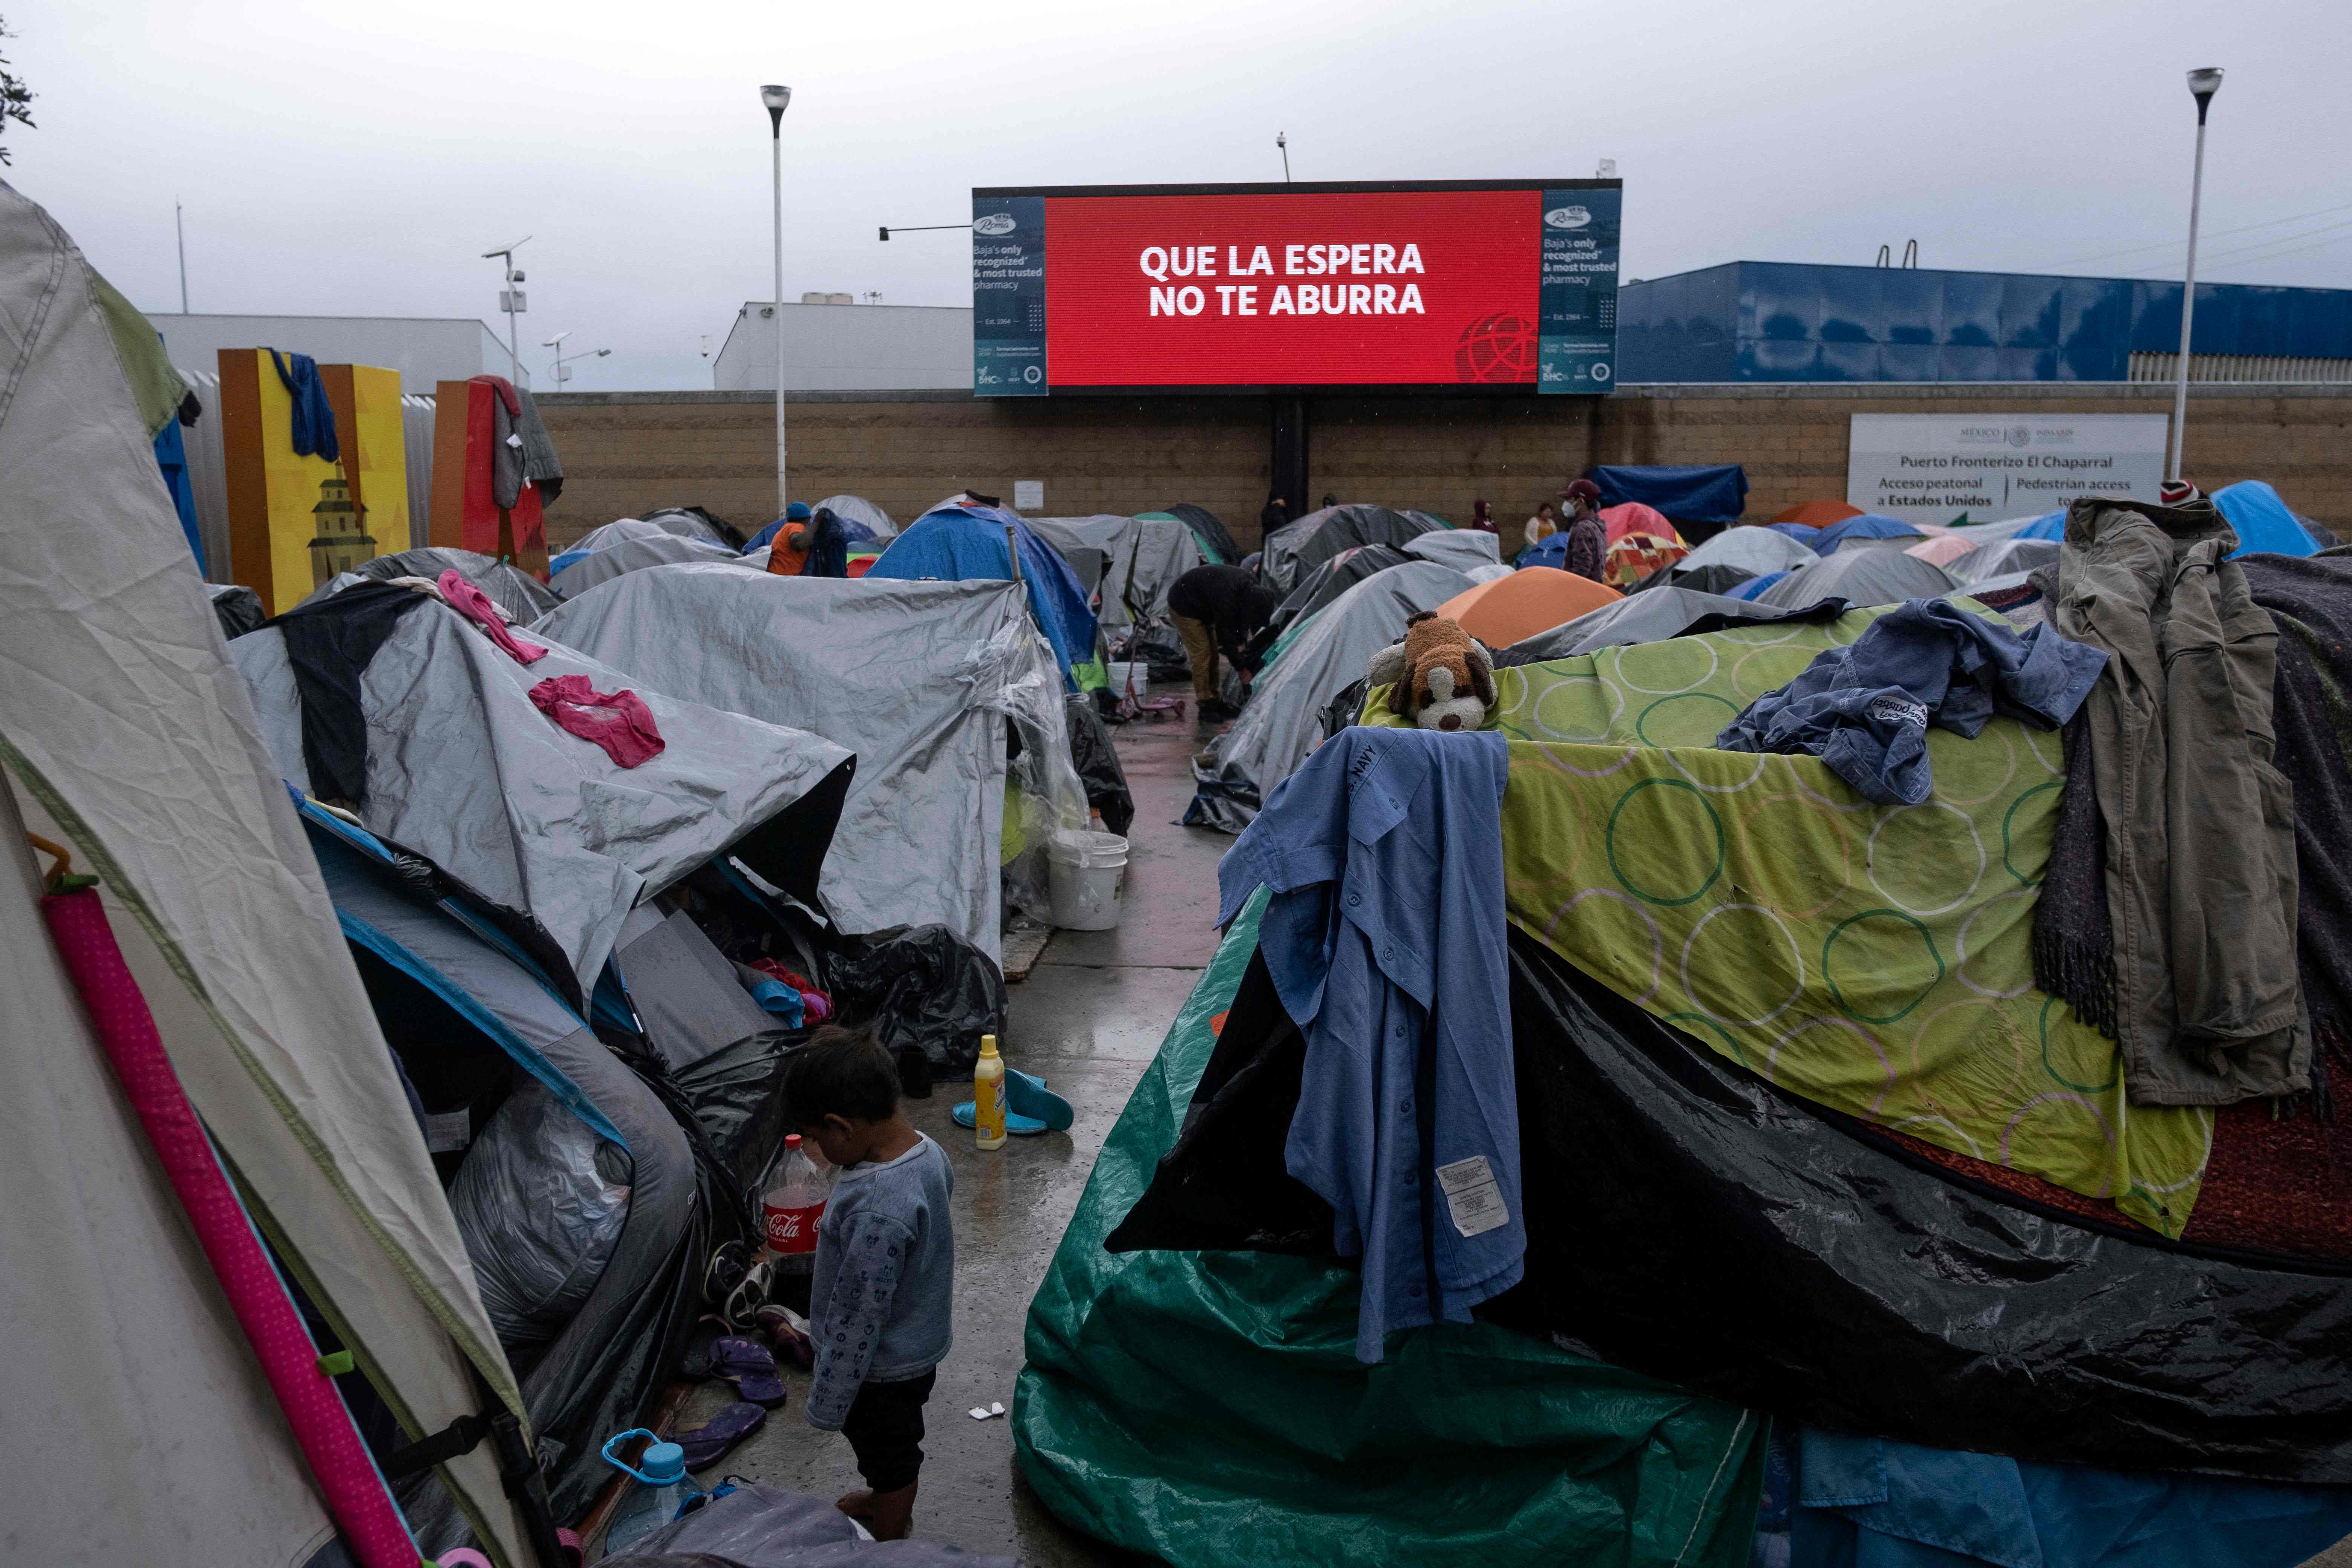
<point>711,1442</point>
<point>751,1366</point>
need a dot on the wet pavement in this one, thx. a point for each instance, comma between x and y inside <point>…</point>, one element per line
<point>1088,1019</point>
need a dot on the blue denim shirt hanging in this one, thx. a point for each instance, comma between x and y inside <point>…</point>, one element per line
<point>1385,940</point>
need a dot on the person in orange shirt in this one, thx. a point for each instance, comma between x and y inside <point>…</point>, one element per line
<point>787,552</point>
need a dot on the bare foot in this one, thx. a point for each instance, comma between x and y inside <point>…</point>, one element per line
<point>857,1505</point>
<point>894,1513</point>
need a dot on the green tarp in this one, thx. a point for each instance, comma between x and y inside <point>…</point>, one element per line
<point>1208,1408</point>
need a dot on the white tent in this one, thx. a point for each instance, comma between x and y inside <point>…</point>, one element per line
<point>129,737</point>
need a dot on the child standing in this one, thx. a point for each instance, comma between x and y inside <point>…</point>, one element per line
<point>880,1299</point>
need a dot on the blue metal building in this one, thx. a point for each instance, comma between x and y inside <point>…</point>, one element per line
<point>1781,322</point>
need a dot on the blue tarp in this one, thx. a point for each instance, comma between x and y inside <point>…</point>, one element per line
<point>1804,533</point>
<point>1552,551</point>
<point>1869,525</point>
<point>960,543</point>
<point>1861,1500</point>
<point>171,457</point>
<point>1754,585</point>
<point>2049,525</point>
<point>2262,521</point>
<point>1688,492</point>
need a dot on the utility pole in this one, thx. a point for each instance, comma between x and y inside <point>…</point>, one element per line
<point>776,98</point>
<point>2204,83</point>
<point>181,227</point>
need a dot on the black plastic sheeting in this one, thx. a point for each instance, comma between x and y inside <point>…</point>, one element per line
<point>1096,760</point>
<point>237,609</point>
<point>926,987</point>
<point>1159,647</point>
<point>1207,524</point>
<point>1688,1220</point>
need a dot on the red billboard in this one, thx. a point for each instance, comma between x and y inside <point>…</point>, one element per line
<point>1277,285</point>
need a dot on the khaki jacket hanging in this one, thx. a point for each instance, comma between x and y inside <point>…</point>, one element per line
<point>2200,826</point>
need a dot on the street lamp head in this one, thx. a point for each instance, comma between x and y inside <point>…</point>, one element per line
<point>602,352</point>
<point>2204,83</point>
<point>777,98</point>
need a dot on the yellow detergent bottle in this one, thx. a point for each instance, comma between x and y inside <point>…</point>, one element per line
<point>987,1095</point>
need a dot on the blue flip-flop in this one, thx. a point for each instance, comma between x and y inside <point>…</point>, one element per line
<point>1029,1107</point>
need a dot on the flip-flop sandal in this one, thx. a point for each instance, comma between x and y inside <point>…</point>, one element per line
<point>715,1438</point>
<point>751,1366</point>
<point>1028,1107</point>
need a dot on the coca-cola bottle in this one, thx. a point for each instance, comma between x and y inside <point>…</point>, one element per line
<point>793,1203</point>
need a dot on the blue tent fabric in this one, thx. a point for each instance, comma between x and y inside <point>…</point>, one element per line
<point>1754,585</point>
<point>2263,521</point>
<point>1551,550</point>
<point>1688,492</point>
<point>959,543</point>
<point>2049,525</point>
<point>1869,525</point>
<point>171,457</point>
<point>314,418</point>
<point>1804,533</point>
<point>1864,1503</point>
<point>566,559</point>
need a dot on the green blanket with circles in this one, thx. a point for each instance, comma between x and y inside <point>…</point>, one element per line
<point>1873,959</point>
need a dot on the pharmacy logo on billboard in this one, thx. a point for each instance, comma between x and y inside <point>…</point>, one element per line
<point>994,224</point>
<point>1569,217</point>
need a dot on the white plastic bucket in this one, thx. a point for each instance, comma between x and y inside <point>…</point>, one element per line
<point>1087,872</point>
<point>1119,674</point>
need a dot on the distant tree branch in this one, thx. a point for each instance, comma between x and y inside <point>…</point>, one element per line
<point>15,98</point>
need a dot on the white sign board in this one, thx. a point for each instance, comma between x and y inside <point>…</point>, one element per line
<point>1028,495</point>
<point>1935,468</point>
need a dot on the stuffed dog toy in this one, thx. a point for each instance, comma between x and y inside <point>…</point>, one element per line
<point>1438,676</point>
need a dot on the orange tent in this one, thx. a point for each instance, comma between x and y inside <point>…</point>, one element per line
<point>1818,513</point>
<point>1530,600</point>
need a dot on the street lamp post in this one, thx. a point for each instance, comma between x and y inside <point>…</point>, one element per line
<point>2204,83</point>
<point>510,300</point>
<point>777,98</point>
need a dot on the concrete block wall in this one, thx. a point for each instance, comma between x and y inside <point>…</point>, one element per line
<point>627,453</point>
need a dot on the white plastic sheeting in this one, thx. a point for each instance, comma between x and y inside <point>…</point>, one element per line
<point>1861,577</point>
<point>915,678</point>
<point>128,736</point>
<point>541,1217</point>
<point>1759,552</point>
<point>465,770</point>
<point>1285,716</point>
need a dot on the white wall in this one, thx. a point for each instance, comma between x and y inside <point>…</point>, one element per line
<point>423,350</point>
<point>849,348</point>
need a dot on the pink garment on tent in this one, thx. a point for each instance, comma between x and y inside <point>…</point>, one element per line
<point>289,1358</point>
<point>474,605</point>
<point>617,720</point>
<point>1942,552</point>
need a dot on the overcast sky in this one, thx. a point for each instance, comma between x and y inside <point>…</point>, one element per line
<point>354,160</point>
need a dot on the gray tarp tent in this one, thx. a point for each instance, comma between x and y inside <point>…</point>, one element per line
<point>2003,558</point>
<point>858,509</point>
<point>1295,549</point>
<point>464,769</point>
<point>1144,554</point>
<point>130,737</point>
<point>1460,548</point>
<point>1861,576</point>
<point>1285,716</point>
<point>1333,578</point>
<point>1653,616</point>
<point>671,521</point>
<point>1759,552</point>
<point>620,556</point>
<point>522,596</point>
<point>917,678</point>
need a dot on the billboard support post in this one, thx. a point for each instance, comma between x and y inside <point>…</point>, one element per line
<point>1290,454</point>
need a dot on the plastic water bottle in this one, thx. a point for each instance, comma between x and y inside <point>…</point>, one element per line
<point>661,1488</point>
<point>793,1203</point>
<point>987,1095</point>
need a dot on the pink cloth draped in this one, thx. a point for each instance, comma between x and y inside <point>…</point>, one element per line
<point>617,720</point>
<point>474,605</point>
